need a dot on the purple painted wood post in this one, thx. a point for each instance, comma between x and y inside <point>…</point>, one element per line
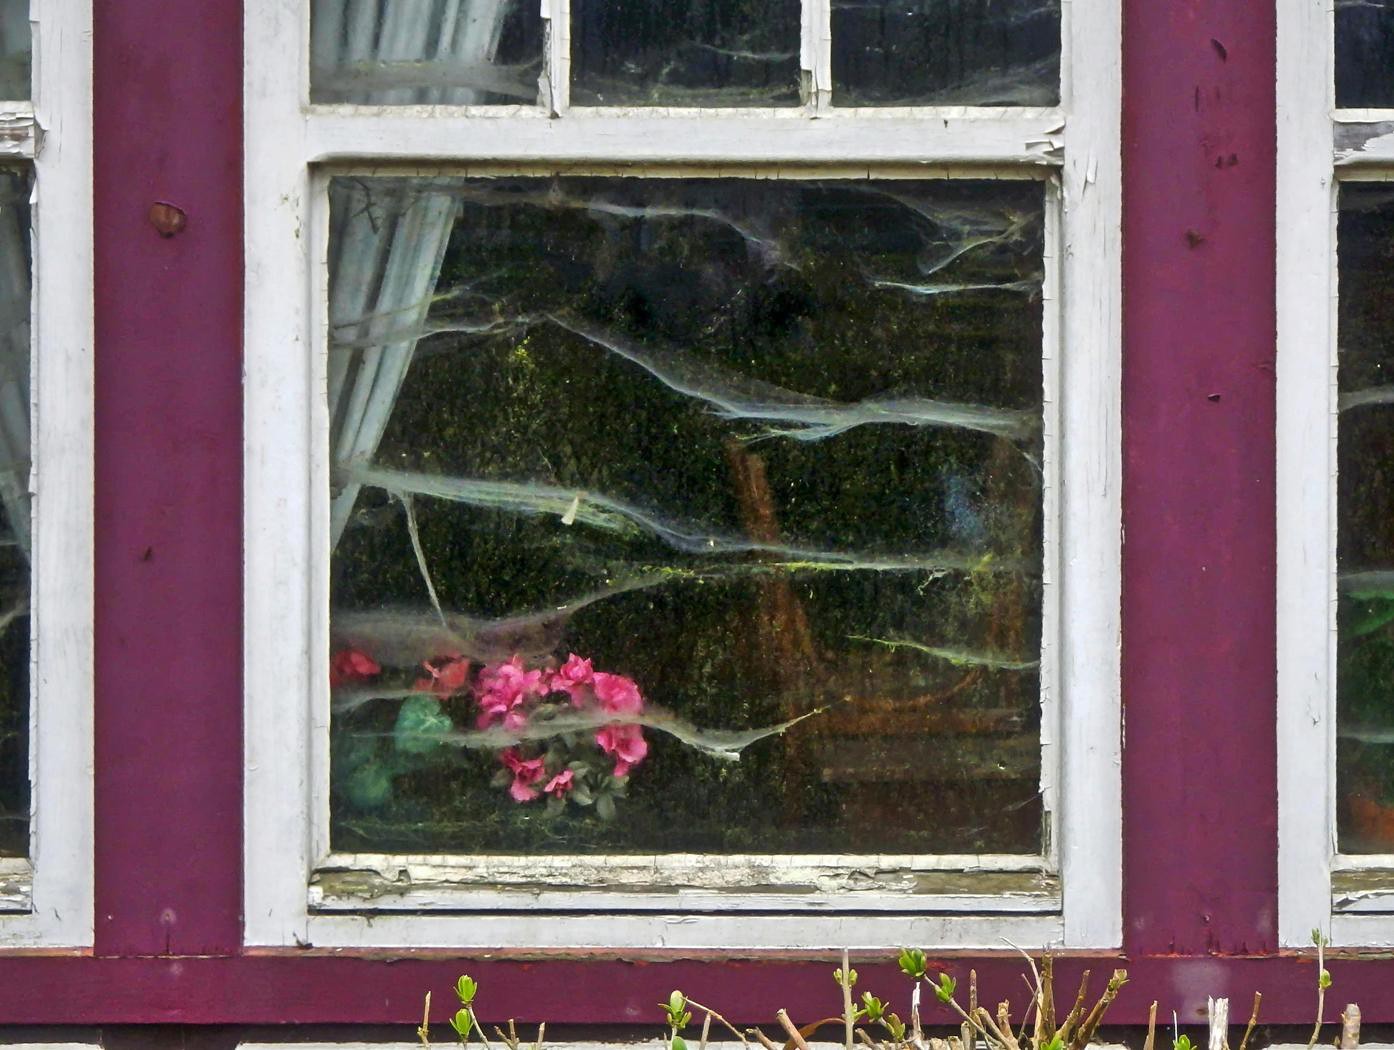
<point>1200,799</point>
<point>168,487</point>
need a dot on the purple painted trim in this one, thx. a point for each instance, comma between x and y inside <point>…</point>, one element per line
<point>1199,771</point>
<point>313,988</point>
<point>168,492</point>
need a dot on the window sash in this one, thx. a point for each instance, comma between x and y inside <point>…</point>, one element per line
<point>293,148</point>
<point>46,898</point>
<point>1319,147</point>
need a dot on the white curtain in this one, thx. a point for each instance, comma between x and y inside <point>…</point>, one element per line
<point>387,246</point>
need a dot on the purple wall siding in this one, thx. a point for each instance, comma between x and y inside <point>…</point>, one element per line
<point>1200,796</point>
<point>168,486</point>
<point>324,988</point>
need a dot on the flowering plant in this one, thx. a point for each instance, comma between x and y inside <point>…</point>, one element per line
<point>570,734</point>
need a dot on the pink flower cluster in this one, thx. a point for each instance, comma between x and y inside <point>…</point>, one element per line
<point>510,695</point>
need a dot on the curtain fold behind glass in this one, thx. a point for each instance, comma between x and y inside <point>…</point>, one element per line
<point>385,253</point>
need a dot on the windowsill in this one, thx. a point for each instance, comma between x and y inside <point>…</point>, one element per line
<point>684,883</point>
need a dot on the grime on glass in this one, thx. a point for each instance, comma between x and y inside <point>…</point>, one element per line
<point>686,515</point>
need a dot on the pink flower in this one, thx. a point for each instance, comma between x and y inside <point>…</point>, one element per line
<point>626,743</point>
<point>616,693</point>
<point>349,665</point>
<point>526,772</point>
<point>571,678</point>
<point>560,784</point>
<point>501,689</point>
<point>448,675</point>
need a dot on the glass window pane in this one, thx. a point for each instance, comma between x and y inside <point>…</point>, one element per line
<point>686,515</point>
<point>1365,528</point>
<point>14,512</point>
<point>946,52</point>
<point>404,52</point>
<point>1364,53</point>
<point>662,53</point>
<point>16,45</point>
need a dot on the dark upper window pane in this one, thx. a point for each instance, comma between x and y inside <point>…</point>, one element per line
<point>1364,53</point>
<point>16,45</point>
<point>946,52</point>
<point>684,53</point>
<point>15,507</point>
<point>1365,520</point>
<point>686,515</point>
<point>404,52</point>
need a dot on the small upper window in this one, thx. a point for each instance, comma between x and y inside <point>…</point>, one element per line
<point>721,54</point>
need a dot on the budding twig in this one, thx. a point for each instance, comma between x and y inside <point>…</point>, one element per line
<point>1253,1020</point>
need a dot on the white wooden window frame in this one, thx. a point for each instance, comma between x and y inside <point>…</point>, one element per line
<point>46,898</point>
<point>297,891</point>
<point>1349,898</point>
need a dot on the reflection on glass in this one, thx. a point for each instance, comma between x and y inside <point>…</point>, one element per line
<point>946,52</point>
<point>694,515</point>
<point>14,513</point>
<point>404,52</point>
<point>1365,523</point>
<point>1364,53</point>
<point>662,53</point>
<point>16,45</point>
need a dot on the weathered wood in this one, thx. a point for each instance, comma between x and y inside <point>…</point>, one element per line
<point>1219,1024</point>
<point>1350,1027</point>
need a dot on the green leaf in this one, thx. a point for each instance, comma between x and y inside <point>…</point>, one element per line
<point>1055,1043</point>
<point>874,1008</point>
<point>370,786</point>
<point>421,726</point>
<point>605,807</point>
<point>677,1043</point>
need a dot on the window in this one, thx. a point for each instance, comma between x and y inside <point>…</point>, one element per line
<point>45,475</point>
<point>1335,553</point>
<point>682,479</point>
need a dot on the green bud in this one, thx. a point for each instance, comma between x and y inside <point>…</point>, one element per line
<point>676,1002</point>
<point>896,1027</point>
<point>462,1023</point>
<point>874,1007</point>
<point>1324,981</point>
<point>465,988</point>
<point>944,991</point>
<point>677,1043</point>
<point>912,962</point>
<point>1055,1043</point>
<point>1182,1043</point>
